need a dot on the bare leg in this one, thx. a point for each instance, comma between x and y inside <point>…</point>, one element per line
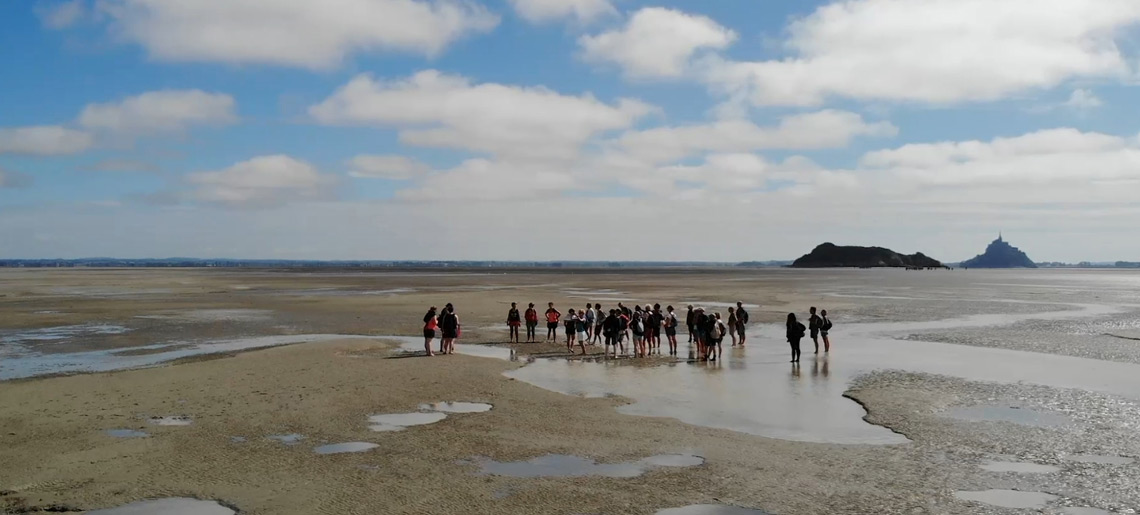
<point>826,344</point>
<point>427,346</point>
<point>815,339</point>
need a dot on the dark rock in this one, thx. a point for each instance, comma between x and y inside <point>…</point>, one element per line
<point>830,255</point>
<point>1000,254</point>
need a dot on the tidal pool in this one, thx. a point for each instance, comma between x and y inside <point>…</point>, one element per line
<point>401,421</point>
<point>171,506</point>
<point>1019,467</point>
<point>341,448</point>
<point>1096,458</point>
<point>289,439</point>
<point>560,465</point>
<point>171,421</point>
<point>126,433</point>
<point>1007,498</point>
<point>457,407</point>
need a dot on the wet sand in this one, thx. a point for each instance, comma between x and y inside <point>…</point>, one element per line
<point>57,451</point>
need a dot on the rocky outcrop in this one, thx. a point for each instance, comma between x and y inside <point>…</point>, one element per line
<point>830,255</point>
<point>1000,254</point>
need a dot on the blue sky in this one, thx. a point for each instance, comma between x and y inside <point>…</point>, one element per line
<point>524,129</point>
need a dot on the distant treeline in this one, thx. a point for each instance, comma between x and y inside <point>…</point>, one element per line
<point>286,263</point>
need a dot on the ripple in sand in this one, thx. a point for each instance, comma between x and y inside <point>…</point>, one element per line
<point>171,421</point>
<point>457,407</point>
<point>1019,467</point>
<point>1007,498</point>
<point>710,509</point>
<point>561,465</point>
<point>289,439</point>
<point>1096,458</point>
<point>1085,511</point>
<point>126,433</point>
<point>340,448</point>
<point>401,421</point>
<point>171,506</point>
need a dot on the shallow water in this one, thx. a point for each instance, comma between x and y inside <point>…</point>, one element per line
<point>1014,414</point>
<point>289,439</point>
<point>401,421</point>
<point>560,465</point>
<point>710,509</point>
<point>171,506</point>
<point>1019,467</point>
<point>171,421</point>
<point>1007,498</point>
<point>126,433</point>
<point>21,362</point>
<point>1096,458</point>
<point>457,407</point>
<point>341,448</point>
<point>50,334</point>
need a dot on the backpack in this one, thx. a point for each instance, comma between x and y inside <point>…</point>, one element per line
<point>826,324</point>
<point>742,316</point>
<point>721,330</point>
<point>670,320</point>
<point>800,329</point>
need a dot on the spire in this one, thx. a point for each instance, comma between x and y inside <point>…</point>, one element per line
<point>999,236</point>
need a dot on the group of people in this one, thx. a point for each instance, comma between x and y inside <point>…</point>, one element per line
<point>818,325</point>
<point>641,326</point>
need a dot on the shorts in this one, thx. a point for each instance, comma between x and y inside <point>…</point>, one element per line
<point>815,333</point>
<point>552,325</point>
<point>740,330</point>
<point>532,325</point>
<point>450,335</point>
<point>670,331</point>
<point>569,331</point>
<point>824,333</point>
<point>514,324</point>
<point>429,333</point>
<point>581,335</point>
<point>598,329</point>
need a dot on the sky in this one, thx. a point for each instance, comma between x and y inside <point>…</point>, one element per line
<point>671,130</point>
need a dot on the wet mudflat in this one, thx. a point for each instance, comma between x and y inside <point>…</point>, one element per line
<point>556,465</point>
<point>171,506</point>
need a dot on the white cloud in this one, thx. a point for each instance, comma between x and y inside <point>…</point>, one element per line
<point>43,140</point>
<point>159,111</point>
<point>823,129</point>
<point>300,33</point>
<point>484,179</point>
<point>1083,99</point>
<point>439,110</point>
<point>62,15</point>
<point>656,42</point>
<point>261,181</point>
<point>386,167</point>
<point>539,11</point>
<point>935,51</point>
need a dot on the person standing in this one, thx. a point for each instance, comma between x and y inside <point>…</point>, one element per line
<point>824,327</point>
<point>741,321</point>
<point>514,320</point>
<point>610,328</point>
<point>795,334</point>
<point>570,323</point>
<point>732,323</point>
<point>718,332</point>
<point>623,330</point>
<point>449,325</point>
<point>430,325</point>
<point>599,320</point>
<point>690,319</point>
<point>813,327</point>
<point>589,324</point>
<point>531,323</point>
<point>671,330</point>
<point>552,318</point>
<point>700,327</point>
<point>581,326</point>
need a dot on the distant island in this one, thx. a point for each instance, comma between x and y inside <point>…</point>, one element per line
<point>830,255</point>
<point>1000,254</point>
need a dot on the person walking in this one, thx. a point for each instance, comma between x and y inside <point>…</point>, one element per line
<point>552,318</point>
<point>741,321</point>
<point>824,327</point>
<point>514,320</point>
<point>813,327</point>
<point>430,325</point>
<point>732,323</point>
<point>531,323</point>
<point>795,334</point>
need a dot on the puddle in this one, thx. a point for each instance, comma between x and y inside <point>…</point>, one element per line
<point>171,506</point>
<point>457,407</point>
<point>1019,467</point>
<point>31,363</point>
<point>561,465</point>
<point>340,448</point>
<point>126,433</point>
<point>1085,511</point>
<point>1096,458</point>
<point>171,421</point>
<point>710,509</point>
<point>1014,414</point>
<point>401,421</point>
<point>289,439</point>
<point>1007,498</point>
<point>416,346</point>
<point>237,439</point>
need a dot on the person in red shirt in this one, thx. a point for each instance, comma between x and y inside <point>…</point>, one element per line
<point>430,325</point>
<point>531,323</point>
<point>552,318</point>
